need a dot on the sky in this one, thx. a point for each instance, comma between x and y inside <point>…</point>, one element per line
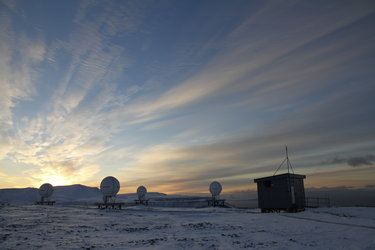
<point>173,95</point>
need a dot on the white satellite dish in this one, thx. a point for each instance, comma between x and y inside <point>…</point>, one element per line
<point>141,192</point>
<point>215,188</point>
<point>109,187</point>
<point>46,191</point>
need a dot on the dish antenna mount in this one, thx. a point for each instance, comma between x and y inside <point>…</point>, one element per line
<point>215,189</point>
<point>45,192</point>
<point>141,192</point>
<point>109,188</point>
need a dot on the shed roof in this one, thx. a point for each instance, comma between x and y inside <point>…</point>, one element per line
<point>280,176</point>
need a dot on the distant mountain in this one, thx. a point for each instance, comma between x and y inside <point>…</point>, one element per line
<point>83,195</point>
<point>19,195</point>
<point>76,192</point>
<point>133,196</point>
<point>62,194</point>
<point>66,194</point>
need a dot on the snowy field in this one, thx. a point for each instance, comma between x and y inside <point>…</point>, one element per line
<point>59,227</point>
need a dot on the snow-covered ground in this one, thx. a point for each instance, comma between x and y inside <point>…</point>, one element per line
<point>68,227</point>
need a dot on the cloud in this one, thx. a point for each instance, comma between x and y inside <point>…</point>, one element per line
<point>19,55</point>
<point>72,127</point>
<point>9,4</point>
<point>272,66</point>
<point>367,160</point>
<point>63,173</point>
<point>238,158</point>
<point>257,71</point>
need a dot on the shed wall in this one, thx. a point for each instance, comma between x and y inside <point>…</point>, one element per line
<point>277,193</point>
<point>299,191</point>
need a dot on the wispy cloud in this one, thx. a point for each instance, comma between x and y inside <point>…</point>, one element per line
<point>283,71</point>
<point>73,127</point>
<point>257,152</point>
<point>283,63</point>
<point>18,76</point>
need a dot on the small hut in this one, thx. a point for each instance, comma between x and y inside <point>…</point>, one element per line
<point>281,192</point>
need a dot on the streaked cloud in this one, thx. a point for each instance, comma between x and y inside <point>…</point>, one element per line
<point>174,104</point>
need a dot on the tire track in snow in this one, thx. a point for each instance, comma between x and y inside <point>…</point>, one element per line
<point>329,222</point>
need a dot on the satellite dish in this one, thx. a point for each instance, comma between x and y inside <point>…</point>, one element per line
<point>109,187</point>
<point>141,191</point>
<point>46,190</point>
<point>215,188</point>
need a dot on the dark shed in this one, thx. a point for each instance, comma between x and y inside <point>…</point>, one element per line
<point>281,192</point>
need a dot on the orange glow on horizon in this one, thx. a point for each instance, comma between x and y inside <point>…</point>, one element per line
<point>55,180</point>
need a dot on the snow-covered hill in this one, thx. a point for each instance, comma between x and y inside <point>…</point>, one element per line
<point>61,194</point>
<point>83,195</point>
<point>19,195</point>
<point>73,194</point>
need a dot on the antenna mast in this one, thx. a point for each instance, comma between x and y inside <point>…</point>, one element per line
<point>287,160</point>
<point>287,157</point>
<point>288,164</point>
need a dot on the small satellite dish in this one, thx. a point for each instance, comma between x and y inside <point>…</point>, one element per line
<point>215,188</point>
<point>109,187</point>
<point>141,191</point>
<point>46,190</point>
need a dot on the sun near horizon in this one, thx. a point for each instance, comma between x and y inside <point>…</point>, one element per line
<point>176,95</point>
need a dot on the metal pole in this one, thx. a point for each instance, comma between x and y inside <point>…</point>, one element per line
<point>287,157</point>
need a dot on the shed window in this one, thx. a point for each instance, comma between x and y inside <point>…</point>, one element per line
<point>268,184</point>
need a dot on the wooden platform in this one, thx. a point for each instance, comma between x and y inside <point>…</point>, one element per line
<point>48,203</point>
<point>216,203</point>
<point>112,205</point>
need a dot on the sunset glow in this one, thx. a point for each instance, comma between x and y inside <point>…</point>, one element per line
<point>174,95</point>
